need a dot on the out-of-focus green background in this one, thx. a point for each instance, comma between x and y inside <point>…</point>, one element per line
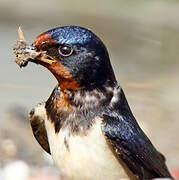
<point>143,42</point>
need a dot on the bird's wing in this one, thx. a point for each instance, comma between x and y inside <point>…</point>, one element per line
<point>130,143</point>
<point>37,120</point>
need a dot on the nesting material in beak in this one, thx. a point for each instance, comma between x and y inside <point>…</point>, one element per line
<point>25,53</point>
<point>21,34</point>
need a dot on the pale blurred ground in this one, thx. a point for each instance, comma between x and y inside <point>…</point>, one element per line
<point>143,41</point>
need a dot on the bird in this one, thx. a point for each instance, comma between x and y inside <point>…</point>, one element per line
<point>86,124</point>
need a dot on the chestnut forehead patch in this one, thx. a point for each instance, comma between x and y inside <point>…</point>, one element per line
<point>42,39</point>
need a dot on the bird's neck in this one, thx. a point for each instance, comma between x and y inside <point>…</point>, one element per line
<point>89,98</point>
<point>72,109</point>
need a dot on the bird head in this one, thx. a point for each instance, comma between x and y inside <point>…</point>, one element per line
<point>76,57</point>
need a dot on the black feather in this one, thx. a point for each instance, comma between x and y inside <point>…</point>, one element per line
<point>131,144</point>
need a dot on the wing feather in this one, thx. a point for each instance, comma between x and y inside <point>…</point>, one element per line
<point>130,143</point>
<point>37,120</point>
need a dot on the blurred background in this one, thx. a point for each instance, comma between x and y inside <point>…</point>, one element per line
<point>143,42</point>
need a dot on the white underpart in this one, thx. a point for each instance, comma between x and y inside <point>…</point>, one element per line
<point>109,88</point>
<point>88,157</point>
<point>85,157</point>
<point>116,96</point>
<point>39,111</point>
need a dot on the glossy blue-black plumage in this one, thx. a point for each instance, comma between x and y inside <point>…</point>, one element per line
<point>75,35</point>
<point>71,35</point>
<point>90,66</point>
<point>131,144</point>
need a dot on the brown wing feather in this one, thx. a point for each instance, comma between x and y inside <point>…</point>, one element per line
<point>37,120</point>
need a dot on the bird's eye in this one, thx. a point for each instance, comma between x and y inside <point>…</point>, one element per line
<point>65,50</point>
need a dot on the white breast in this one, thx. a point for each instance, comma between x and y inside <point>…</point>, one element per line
<point>85,157</point>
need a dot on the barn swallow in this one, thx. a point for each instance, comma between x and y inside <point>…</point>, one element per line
<point>86,124</point>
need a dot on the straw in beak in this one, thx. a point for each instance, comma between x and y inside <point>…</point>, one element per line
<point>25,53</point>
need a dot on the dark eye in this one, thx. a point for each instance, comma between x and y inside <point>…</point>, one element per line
<point>65,50</point>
